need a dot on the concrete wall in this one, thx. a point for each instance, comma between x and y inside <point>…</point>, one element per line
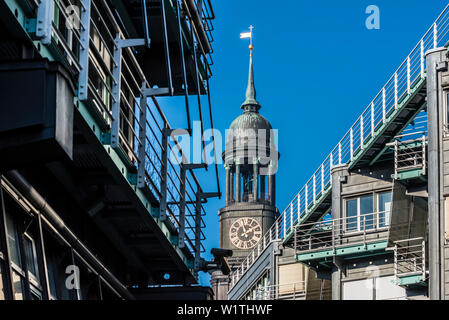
<point>366,180</point>
<point>446,273</point>
<point>445,158</point>
<point>348,184</point>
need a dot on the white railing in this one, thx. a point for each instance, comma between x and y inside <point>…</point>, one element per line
<point>400,85</point>
<point>273,234</point>
<point>287,291</point>
<point>334,233</point>
<point>410,258</point>
<point>409,152</point>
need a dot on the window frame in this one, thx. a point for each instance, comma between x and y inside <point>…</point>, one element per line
<point>446,113</point>
<point>34,279</point>
<point>375,221</point>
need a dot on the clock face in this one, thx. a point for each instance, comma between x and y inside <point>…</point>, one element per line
<point>245,233</point>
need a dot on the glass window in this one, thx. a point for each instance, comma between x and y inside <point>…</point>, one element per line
<point>13,241</point>
<point>361,213</point>
<point>17,285</point>
<point>35,293</point>
<point>52,277</point>
<point>2,290</point>
<point>351,214</point>
<point>384,208</point>
<point>31,257</point>
<point>366,213</point>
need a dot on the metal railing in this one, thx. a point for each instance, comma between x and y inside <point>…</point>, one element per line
<point>273,235</point>
<point>334,233</point>
<point>409,152</point>
<point>104,89</point>
<point>399,86</point>
<point>206,14</point>
<point>410,257</point>
<point>287,291</point>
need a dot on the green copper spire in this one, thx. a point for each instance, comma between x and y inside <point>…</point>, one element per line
<point>250,104</point>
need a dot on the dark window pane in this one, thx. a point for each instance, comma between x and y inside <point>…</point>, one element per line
<point>384,209</point>
<point>351,214</point>
<point>13,241</point>
<point>18,286</point>
<point>30,253</point>
<point>366,212</point>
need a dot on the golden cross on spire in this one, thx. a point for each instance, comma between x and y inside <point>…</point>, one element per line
<point>251,36</point>
<point>250,104</point>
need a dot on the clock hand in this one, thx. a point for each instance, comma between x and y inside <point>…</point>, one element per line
<point>245,233</point>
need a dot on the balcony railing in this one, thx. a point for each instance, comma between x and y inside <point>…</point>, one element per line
<point>288,291</point>
<point>410,258</point>
<point>335,233</point>
<point>273,235</point>
<point>409,153</point>
<point>201,13</point>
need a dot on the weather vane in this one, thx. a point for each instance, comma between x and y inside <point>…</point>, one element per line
<point>249,35</point>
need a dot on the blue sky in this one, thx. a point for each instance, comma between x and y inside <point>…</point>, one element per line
<point>316,68</point>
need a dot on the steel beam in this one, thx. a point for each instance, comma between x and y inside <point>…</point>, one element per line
<point>43,270</point>
<point>337,173</point>
<point>199,196</point>
<point>145,21</point>
<point>45,13</point>
<point>141,151</point>
<point>119,44</point>
<point>166,46</point>
<point>166,132</point>
<point>164,166</point>
<point>433,57</point>
<point>183,64</point>
<point>8,285</point>
<point>83,77</point>
<point>182,207</point>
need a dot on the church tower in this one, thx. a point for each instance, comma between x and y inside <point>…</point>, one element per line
<point>250,159</point>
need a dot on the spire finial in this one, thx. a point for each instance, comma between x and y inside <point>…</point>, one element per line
<point>250,104</point>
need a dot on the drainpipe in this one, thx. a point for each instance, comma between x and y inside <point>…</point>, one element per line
<point>338,174</point>
<point>47,211</point>
<point>433,59</point>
